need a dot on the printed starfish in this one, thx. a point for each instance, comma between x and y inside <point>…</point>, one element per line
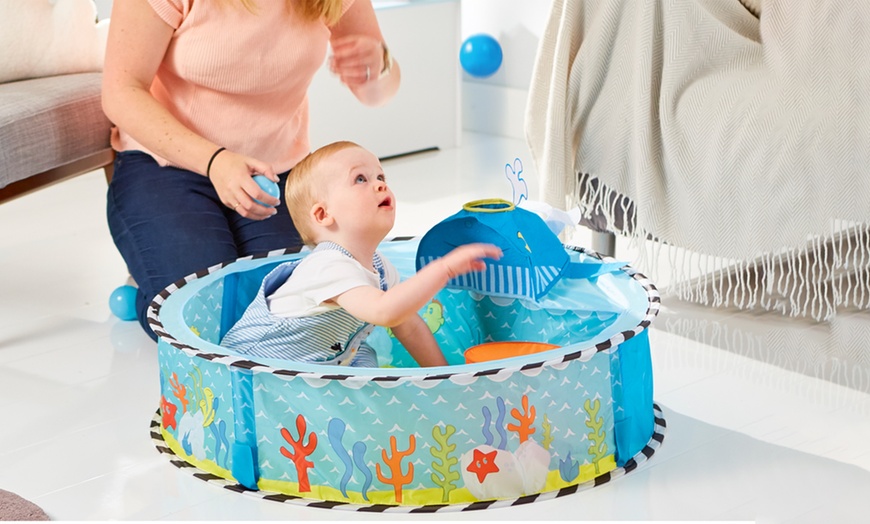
<point>483,464</point>
<point>168,409</point>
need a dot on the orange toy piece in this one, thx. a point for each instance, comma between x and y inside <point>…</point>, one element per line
<point>496,350</point>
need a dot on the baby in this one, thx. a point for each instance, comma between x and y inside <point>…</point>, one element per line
<point>322,307</point>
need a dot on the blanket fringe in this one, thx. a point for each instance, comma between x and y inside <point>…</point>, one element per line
<point>829,273</point>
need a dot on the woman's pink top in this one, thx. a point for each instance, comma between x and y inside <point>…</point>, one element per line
<point>239,79</point>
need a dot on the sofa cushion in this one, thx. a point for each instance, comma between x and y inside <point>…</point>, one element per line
<point>42,38</point>
<point>48,122</point>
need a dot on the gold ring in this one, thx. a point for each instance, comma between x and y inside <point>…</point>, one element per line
<point>237,205</point>
<point>368,73</point>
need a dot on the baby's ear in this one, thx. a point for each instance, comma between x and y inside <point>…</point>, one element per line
<point>320,215</point>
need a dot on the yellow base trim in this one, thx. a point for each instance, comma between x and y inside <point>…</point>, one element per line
<point>209,466</point>
<point>429,496</point>
<point>587,472</point>
<point>410,497</point>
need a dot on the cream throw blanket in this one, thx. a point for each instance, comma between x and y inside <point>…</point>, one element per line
<point>743,142</point>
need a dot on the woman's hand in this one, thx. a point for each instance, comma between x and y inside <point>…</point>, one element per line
<point>357,59</point>
<point>358,56</point>
<point>231,175</point>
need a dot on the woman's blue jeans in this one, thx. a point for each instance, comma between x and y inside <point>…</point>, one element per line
<point>169,223</point>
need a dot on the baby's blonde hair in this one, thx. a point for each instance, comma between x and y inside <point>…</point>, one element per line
<point>311,10</point>
<point>303,187</point>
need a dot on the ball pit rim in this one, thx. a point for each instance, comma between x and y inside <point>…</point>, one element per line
<point>397,376</point>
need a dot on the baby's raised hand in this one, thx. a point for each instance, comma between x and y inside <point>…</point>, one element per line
<point>469,257</point>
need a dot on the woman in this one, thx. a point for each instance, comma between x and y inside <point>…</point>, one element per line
<point>204,95</point>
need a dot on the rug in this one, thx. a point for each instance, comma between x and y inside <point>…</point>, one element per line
<point>13,507</point>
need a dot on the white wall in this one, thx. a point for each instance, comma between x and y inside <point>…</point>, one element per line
<point>104,8</point>
<point>496,105</point>
<point>425,113</point>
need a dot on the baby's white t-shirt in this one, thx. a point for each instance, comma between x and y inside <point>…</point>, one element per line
<point>320,276</point>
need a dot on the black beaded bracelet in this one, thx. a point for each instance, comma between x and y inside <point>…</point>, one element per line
<point>208,169</point>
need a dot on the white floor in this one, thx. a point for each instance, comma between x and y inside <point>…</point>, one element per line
<point>768,420</point>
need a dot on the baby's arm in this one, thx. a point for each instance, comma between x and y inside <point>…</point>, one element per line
<point>396,305</point>
<point>414,334</point>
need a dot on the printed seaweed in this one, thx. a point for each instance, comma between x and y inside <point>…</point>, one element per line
<point>487,420</point>
<point>203,397</point>
<point>524,429</point>
<point>569,469</point>
<point>444,462</point>
<point>300,451</point>
<point>499,424</point>
<point>219,431</point>
<point>394,462</point>
<point>335,432</point>
<point>196,376</point>
<point>359,453</point>
<point>598,448</point>
<point>548,433</point>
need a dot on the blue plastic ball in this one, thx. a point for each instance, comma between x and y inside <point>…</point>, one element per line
<point>480,55</point>
<point>268,186</point>
<point>122,302</point>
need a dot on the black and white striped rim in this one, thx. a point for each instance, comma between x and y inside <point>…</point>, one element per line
<point>653,306</point>
<point>632,464</point>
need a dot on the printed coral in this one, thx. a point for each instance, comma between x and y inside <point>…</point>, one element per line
<point>394,462</point>
<point>179,391</point>
<point>300,451</point>
<point>524,429</point>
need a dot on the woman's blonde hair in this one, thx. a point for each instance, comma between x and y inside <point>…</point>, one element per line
<point>303,187</point>
<point>311,10</point>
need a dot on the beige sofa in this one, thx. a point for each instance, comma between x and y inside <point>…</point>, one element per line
<point>52,126</point>
<point>51,129</point>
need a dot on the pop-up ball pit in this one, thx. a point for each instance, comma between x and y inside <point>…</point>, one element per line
<point>400,438</point>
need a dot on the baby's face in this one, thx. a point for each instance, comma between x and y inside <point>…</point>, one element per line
<point>357,193</point>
